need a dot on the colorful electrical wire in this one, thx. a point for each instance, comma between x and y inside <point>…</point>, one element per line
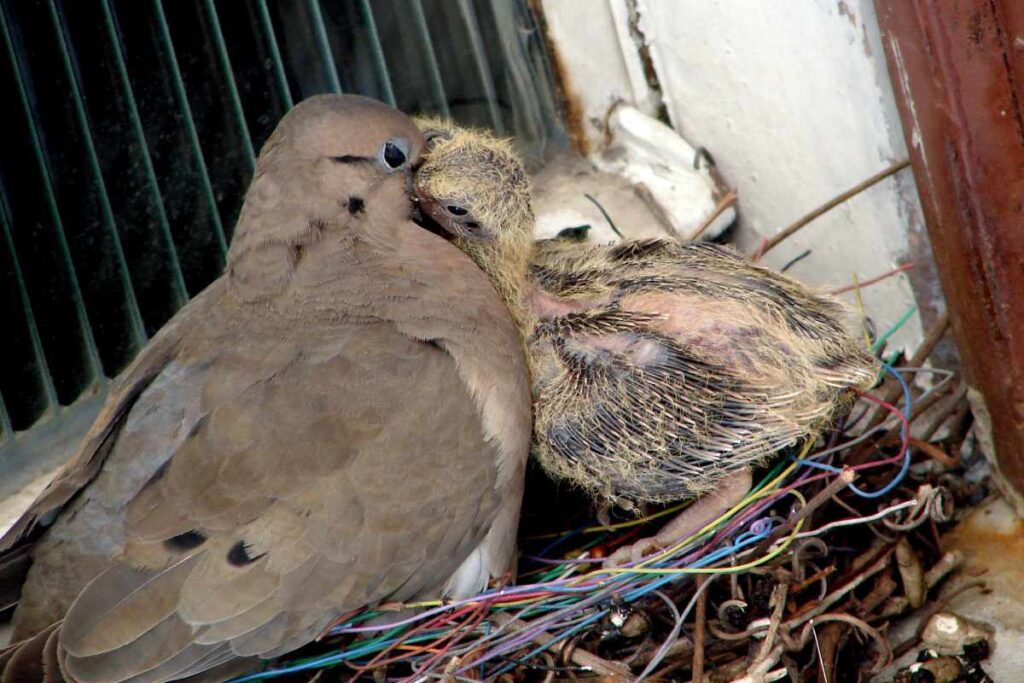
<point>562,597</point>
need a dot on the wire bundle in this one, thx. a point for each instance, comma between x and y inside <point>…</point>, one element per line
<point>558,598</point>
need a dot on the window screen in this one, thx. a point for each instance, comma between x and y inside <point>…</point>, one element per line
<point>131,131</point>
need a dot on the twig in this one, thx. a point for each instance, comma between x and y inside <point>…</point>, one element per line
<point>942,568</point>
<point>579,656</point>
<point>700,618</point>
<point>911,573</point>
<point>828,643</point>
<point>823,605</point>
<point>859,624</point>
<point>774,241</point>
<point>723,205</point>
<point>934,452</point>
<point>942,412</point>
<point>864,283</point>
<point>935,334</point>
<point>845,478</point>
<point>778,603</point>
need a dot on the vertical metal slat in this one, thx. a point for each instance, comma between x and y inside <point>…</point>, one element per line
<point>180,290</point>
<point>433,69</point>
<point>482,66</point>
<point>137,328</point>
<point>49,390</point>
<point>383,77</point>
<point>6,430</point>
<point>275,53</point>
<point>225,65</point>
<point>190,124</point>
<point>323,45</point>
<point>92,351</point>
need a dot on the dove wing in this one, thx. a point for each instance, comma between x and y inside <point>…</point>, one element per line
<point>98,442</point>
<point>279,512</point>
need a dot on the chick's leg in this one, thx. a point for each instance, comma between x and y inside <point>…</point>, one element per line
<point>691,520</point>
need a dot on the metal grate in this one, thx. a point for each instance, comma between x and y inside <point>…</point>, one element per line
<point>132,130</point>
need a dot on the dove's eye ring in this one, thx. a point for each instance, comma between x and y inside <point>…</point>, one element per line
<point>394,154</point>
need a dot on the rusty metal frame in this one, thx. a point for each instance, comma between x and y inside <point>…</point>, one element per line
<point>958,70</point>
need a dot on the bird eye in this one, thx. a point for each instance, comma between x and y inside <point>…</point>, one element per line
<point>394,154</point>
<point>456,210</point>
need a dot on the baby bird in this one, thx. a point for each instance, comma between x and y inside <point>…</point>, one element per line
<point>662,370</point>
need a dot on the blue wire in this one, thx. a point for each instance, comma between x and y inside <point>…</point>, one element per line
<point>904,467</point>
<point>741,541</point>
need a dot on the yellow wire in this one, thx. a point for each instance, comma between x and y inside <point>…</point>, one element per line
<point>863,313</point>
<point>642,568</point>
<point>763,492</point>
<point>618,525</point>
<point>720,570</point>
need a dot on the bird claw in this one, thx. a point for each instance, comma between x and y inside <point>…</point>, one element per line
<point>634,552</point>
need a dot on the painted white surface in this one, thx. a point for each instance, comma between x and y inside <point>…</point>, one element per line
<point>653,156</point>
<point>794,102</point>
<point>600,60</point>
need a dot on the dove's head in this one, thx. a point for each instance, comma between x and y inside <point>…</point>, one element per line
<point>474,187</point>
<point>334,164</point>
<point>345,152</point>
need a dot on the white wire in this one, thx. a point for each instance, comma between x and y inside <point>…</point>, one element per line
<point>852,521</point>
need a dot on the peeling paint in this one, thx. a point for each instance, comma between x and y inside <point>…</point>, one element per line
<point>904,84</point>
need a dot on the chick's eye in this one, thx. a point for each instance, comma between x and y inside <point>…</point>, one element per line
<point>456,210</point>
<point>394,154</point>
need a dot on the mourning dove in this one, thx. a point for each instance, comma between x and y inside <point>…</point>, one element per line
<point>662,370</point>
<point>343,418</point>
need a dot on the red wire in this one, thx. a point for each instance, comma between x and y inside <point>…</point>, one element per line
<point>906,434</point>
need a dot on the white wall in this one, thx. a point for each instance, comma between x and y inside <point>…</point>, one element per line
<point>793,101</point>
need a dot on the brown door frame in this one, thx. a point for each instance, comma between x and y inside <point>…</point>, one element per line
<point>957,67</point>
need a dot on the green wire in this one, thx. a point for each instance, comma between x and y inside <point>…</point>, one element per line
<point>880,342</point>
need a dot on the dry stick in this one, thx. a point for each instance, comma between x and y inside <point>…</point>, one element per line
<point>935,334</point>
<point>891,435</point>
<point>723,204</point>
<point>774,241</point>
<point>824,604</point>
<point>844,479</point>
<point>830,639</point>
<point>778,603</point>
<point>934,452</point>
<point>861,284</point>
<point>943,412</point>
<point>579,656</point>
<point>698,631</point>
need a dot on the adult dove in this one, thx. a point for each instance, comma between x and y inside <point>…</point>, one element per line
<point>342,419</point>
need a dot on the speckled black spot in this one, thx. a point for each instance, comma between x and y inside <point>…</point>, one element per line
<point>186,541</point>
<point>239,555</point>
<point>356,205</point>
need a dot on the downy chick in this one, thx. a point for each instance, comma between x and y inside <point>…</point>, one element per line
<point>661,370</point>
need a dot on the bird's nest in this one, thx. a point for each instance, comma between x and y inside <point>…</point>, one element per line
<point>802,578</point>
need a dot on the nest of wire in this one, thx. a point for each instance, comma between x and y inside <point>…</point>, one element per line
<point>844,499</point>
